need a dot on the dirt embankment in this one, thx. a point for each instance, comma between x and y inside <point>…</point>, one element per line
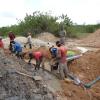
<point>48,37</point>
<point>87,68</point>
<point>15,86</point>
<point>92,40</point>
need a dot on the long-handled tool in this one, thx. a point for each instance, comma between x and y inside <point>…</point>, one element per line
<point>36,78</point>
<point>88,85</point>
<point>77,81</point>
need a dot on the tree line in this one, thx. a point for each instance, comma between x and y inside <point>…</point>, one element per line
<point>44,22</point>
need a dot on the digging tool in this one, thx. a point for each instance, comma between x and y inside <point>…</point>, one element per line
<point>36,78</point>
<point>88,85</point>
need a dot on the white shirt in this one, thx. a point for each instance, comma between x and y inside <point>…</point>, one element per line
<point>29,39</point>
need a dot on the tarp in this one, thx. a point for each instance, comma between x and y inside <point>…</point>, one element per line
<point>73,57</point>
<point>70,53</point>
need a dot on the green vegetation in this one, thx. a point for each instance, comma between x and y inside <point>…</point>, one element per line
<point>43,22</point>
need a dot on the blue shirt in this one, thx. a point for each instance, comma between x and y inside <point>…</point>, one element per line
<point>54,52</point>
<point>17,47</point>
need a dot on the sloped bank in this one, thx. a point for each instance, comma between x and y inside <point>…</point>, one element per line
<point>87,68</point>
<point>14,86</point>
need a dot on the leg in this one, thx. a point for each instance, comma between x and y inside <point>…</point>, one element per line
<point>30,58</point>
<point>66,71</point>
<point>37,64</point>
<point>56,63</point>
<point>16,53</point>
<point>11,47</point>
<point>30,45</point>
<point>25,44</point>
<point>61,70</point>
<point>53,63</point>
<point>62,40</point>
<point>21,55</point>
<point>42,62</point>
<point>39,61</point>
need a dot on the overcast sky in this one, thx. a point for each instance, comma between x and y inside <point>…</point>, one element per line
<point>80,11</point>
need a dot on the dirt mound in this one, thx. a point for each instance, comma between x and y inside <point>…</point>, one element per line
<point>15,86</point>
<point>21,39</point>
<point>87,68</point>
<point>46,37</point>
<point>93,39</point>
<point>88,64</point>
<point>35,42</point>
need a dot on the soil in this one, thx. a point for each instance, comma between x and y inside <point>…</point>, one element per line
<point>18,87</point>
<point>92,40</point>
<point>49,37</point>
<point>87,68</point>
<point>15,86</point>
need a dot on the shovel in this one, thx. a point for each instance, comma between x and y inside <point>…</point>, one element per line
<point>36,78</point>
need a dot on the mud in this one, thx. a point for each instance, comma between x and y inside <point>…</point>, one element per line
<point>87,68</point>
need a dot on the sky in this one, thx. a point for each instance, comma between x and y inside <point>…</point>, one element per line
<point>79,11</point>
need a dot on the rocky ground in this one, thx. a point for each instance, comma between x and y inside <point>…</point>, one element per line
<point>16,86</point>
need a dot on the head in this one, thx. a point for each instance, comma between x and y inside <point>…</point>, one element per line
<point>58,44</point>
<point>10,32</point>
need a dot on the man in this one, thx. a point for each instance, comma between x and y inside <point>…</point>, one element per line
<point>1,43</point>
<point>63,69</point>
<point>62,35</point>
<point>53,51</point>
<point>17,49</point>
<point>11,37</point>
<point>29,41</point>
<point>38,56</point>
<point>54,62</point>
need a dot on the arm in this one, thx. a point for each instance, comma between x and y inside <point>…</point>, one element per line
<point>30,58</point>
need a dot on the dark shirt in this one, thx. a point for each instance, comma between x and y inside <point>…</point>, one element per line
<point>11,36</point>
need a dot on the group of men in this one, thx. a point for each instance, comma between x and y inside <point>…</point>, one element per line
<point>58,54</point>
